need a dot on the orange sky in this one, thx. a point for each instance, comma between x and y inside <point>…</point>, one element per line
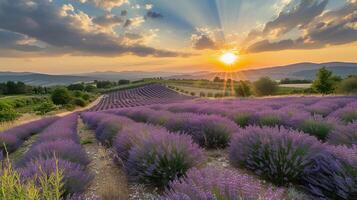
<point>207,61</point>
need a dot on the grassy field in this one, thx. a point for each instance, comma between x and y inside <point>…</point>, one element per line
<point>211,89</point>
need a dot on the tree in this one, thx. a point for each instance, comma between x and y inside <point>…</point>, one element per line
<point>325,81</point>
<point>123,82</point>
<point>265,86</point>
<point>44,108</point>
<point>61,96</point>
<point>77,86</point>
<point>243,89</point>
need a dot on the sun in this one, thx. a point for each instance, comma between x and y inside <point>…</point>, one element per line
<point>228,58</point>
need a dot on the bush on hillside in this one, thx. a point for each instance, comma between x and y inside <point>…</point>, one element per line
<point>7,113</point>
<point>265,86</point>
<point>243,89</point>
<point>61,96</point>
<point>348,85</point>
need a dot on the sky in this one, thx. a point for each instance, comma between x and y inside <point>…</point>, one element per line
<point>75,36</point>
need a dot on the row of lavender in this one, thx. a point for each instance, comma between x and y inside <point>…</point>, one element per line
<point>280,155</point>
<point>58,148</point>
<point>146,95</point>
<point>154,156</point>
<point>12,139</point>
<point>332,119</point>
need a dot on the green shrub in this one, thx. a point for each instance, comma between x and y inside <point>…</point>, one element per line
<point>218,95</point>
<point>192,93</point>
<point>7,112</point>
<point>348,85</point>
<point>209,94</point>
<point>79,102</point>
<point>265,86</point>
<point>44,108</point>
<point>202,94</point>
<point>243,89</point>
<point>61,96</point>
<point>86,96</point>
<point>243,119</point>
<point>317,128</point>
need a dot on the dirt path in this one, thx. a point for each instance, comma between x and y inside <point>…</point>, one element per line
<point>109,181</point>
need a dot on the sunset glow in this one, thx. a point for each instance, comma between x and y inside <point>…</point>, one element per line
<point>228,58</point>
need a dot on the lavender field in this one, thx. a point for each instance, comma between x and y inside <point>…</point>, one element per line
<point>175,147</point>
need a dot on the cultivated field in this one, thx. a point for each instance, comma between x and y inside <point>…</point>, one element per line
<point>153,143</point>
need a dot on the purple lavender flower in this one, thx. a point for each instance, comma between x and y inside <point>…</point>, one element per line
<point>332,174</point>
<point>344,135</point>
<point>277,154</point>
<point>162,157</point>
<point>75,178</point>
<point>212,183</point>
<point>63,149</point>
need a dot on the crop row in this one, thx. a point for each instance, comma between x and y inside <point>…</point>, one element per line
<point>13,138</point>
<point>58,148</point>
<point>146,95</point>
<point>151,155</point>
<point>280,155</point>
<point>319,117</point>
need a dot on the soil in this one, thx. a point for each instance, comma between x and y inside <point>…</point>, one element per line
<point>109,182</point>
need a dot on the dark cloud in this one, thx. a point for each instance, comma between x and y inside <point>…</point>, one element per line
<point>107,20</point>
<point>201,42</point>
<point>294,16</point>
<point>335,27</point>
<point>124,13</point>
<point>15,41</point>
<point>63,28</point>
<point>153,15</point>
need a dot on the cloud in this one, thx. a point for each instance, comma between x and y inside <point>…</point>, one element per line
<point>107,20</point>
<point>333,27</point>
<point>205,38</point>
<point>201,42</point>
<point>134,22</point>
<point>15,41</point>
<point>67,31</point>
<point>124,13</point>
<point>148,6</point>
<point>291,17</point>
<point>153,15</point>
<point>106,4</point>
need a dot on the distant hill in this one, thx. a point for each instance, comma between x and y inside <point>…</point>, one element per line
<point>129,75</point>
<point>294,71</point>
<point>42,79</point>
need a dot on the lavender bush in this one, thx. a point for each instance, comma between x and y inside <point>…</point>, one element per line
<point>64,128</point>
<point>162,157</point>
<point>344,135</point>
<point>210,131</point>
<point>75,179</point>
<point>332,174</point>
<point>109,127</point>
<point>212,183</point>
<point>63,149</point>
<point>131,136</point>
<point>14,137</point>
<point>318,126</point>
<point>346,114</point>
<point>277,154</point>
